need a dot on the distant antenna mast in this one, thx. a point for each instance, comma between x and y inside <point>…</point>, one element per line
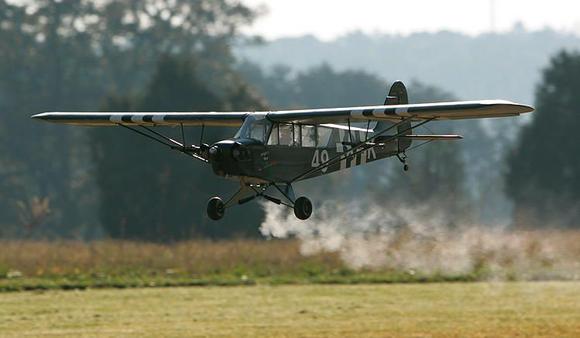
<point>492,15</point>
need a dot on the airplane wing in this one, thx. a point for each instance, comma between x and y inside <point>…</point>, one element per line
<point>416,112</point>
<point>145,119</point>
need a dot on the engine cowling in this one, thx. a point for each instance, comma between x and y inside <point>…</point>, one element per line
<point>231,157</point>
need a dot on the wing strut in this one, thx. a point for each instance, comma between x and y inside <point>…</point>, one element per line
<point>197,152</point>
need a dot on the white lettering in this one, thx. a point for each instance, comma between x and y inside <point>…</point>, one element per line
<point>323,159</point>
<point>319,158</point>
<point>315,160</point>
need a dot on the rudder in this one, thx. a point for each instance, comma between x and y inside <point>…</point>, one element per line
<point>398,95</point>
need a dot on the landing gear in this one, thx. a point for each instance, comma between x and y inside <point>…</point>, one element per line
<point>302,208</point>
<point>403,158</point>
<point>216,208</point>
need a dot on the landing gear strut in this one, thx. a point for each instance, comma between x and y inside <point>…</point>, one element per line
<point>302,206</point>
<point>403,158</point>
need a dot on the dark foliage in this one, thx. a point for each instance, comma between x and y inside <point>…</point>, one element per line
<point>67,56</point>
<point>543,176</point>
<point>149,192</point>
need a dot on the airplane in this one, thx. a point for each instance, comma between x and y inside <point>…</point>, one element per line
<point>274,149</point>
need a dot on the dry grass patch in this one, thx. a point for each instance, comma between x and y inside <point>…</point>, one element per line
<point>464,256</point>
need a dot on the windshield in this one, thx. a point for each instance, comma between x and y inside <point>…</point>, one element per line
<point>254,129</point>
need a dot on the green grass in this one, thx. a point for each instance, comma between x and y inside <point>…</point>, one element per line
<point>508,309</point>
<point>81,282</point>
<point>45,265</point>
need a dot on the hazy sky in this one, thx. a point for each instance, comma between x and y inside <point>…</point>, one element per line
<point>330,18</point>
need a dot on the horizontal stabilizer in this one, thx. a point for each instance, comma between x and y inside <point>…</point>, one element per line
<point>433,137</point>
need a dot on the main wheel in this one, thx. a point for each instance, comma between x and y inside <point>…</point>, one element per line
<point>215,208</point>
<point>302,208</point>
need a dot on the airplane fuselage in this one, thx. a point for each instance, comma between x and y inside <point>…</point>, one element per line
<point>263,163</point>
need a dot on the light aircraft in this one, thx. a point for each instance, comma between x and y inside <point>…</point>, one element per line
<point>273,149</point>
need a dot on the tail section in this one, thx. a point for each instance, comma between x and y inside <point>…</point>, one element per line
<point>398,95</point>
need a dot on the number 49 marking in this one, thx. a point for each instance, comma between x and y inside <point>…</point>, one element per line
<point>320,157</point>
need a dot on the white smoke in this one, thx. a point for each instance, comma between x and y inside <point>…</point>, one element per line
<point>367,236</point>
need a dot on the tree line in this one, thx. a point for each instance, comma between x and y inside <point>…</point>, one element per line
<point>71,56</point>
<point>149,55</point>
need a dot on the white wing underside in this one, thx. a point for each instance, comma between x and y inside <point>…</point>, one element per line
<point>416,112</point>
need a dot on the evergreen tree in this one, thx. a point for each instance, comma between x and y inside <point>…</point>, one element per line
<point>149,192</point>
<point>543,176</point>
<point>67,56</point>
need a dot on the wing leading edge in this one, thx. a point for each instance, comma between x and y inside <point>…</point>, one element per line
<point>145,119</point>
<point>416,112</point>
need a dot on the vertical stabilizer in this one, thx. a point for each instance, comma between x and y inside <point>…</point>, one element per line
<point>398,95</point>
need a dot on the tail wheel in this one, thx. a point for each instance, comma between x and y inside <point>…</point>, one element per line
<point>215,208</point>
<point>302,208</point>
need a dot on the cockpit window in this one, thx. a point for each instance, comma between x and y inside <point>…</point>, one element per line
<point>258,131</point>
<point>323,137</point>
<point>308,136</point>
<point>286,134</point>
<point>273,139</point>
<point>299,135</point>
<point>254,129</point>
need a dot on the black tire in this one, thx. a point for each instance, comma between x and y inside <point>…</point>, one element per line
<point>302,208</point>
<point>215,208</point>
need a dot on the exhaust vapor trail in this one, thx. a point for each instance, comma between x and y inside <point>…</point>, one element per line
<point>422,240</point>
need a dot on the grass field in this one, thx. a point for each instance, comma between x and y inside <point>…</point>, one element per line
<point>507,309</point>
<point>466,256</point>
